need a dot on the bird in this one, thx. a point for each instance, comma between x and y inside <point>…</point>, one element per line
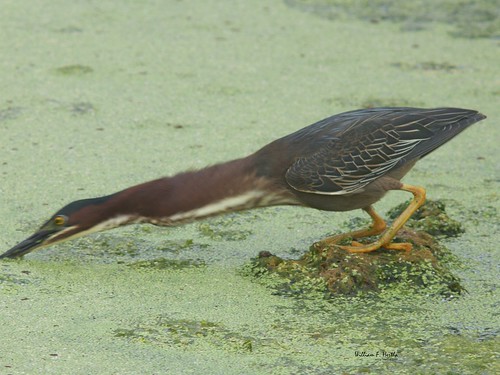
<point>344,162</point>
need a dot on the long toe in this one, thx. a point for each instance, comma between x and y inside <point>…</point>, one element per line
<point>356,248</point>
<point>363,248</point>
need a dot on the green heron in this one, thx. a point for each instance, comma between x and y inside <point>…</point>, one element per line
<point>344,162</point>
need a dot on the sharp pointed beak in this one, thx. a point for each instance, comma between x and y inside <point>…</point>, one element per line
<point>39,239</point>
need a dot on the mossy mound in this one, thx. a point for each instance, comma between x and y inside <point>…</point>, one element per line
<point>430,218</point>
<point>332,271</point>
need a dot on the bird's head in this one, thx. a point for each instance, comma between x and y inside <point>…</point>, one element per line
<point>73,220</point>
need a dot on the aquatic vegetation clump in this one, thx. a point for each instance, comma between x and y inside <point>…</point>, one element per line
<point>184,333</point>
<point>430,218</point>
<point>165,263</point>
<point>329,271</point>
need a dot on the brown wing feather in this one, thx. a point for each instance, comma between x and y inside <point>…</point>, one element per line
<point>372,144</point>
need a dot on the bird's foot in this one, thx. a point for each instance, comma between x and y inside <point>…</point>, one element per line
<point>354,246</point>
<point>330,243</point>
<point>357,247</point>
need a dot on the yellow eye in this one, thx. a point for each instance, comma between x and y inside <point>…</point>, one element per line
<point>59,220</point>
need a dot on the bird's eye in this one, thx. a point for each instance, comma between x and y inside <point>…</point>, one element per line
<point>59,220</point>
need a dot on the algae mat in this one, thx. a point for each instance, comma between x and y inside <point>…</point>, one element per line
<point>97,96</point>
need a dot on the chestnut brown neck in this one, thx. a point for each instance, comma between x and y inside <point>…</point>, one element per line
<point>188,196</point>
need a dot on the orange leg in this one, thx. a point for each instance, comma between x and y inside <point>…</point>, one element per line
<point>386,238</point>
<point>378,226</point>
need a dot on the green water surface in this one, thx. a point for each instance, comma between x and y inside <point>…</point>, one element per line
<point>96,96</point>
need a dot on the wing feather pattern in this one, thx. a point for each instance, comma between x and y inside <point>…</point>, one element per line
<point>372,143</point>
